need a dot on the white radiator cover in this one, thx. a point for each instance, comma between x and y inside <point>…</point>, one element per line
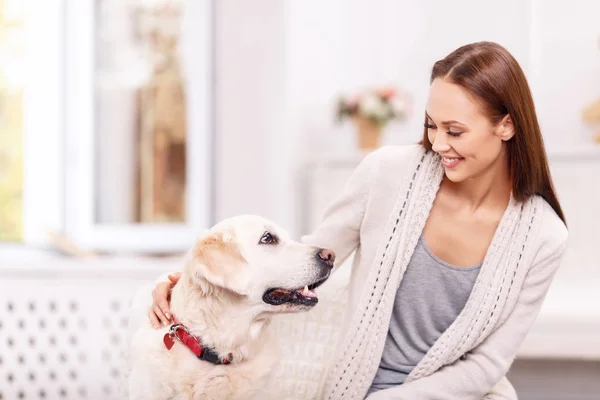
<point>63,327</point>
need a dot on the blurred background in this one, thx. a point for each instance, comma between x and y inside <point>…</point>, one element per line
<point>128,127</point>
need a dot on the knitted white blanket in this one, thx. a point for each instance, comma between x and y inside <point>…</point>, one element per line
<point>308,339</point>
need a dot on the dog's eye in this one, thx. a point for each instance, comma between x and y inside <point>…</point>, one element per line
<point>267,238</point>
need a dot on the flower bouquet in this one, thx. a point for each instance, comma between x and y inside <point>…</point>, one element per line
<point>371,111</point>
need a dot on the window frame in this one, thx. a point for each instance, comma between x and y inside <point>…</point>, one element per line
<point>59,133</point>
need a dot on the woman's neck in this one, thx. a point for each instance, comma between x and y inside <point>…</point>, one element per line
<point>491,189</point>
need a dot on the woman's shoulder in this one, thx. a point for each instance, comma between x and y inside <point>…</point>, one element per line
<point>394,157</point>
<point>552,235</point>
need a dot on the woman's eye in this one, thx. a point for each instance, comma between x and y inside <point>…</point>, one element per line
<point>452,133</point>
<point>429,126</point>
<point>267,238</point>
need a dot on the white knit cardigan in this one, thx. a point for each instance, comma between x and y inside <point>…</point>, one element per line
<point>381,215</point>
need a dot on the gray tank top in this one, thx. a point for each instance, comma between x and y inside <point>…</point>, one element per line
<point>431,295</point>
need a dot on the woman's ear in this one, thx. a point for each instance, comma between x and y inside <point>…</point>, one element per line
<point>506,129</point>
<point>217,259</point>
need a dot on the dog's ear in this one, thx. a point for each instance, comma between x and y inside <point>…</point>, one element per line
<point>217,259</point>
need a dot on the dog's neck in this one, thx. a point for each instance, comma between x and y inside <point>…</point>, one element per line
<point>218,320</point>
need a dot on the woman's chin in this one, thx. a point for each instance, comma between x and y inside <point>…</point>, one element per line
<point>454,176</point>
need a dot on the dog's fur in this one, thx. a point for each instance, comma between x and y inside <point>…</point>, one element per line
<point>219,298</point>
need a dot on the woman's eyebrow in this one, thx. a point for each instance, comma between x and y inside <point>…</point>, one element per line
<point>450,122</point>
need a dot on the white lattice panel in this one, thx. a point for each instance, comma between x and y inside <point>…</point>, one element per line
<point>62,332</point>
<point>49,340</point>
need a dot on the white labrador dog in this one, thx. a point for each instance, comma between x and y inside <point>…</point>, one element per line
<point>234,279</point>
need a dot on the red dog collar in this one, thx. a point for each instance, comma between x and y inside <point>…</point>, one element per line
<point>180,332</point>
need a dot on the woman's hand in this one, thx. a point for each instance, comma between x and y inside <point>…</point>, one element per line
<point>159,311</point>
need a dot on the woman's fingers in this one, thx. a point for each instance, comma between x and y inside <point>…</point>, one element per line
<point>174,277</point>
<point>161,300</point>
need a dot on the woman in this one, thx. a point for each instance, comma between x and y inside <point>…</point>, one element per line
<point>457,241</point>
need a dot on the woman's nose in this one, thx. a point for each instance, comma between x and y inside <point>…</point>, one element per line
<point>439,144</point>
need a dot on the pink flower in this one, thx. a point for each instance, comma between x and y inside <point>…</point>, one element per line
<point>351,101</point>
<point>386,93</point>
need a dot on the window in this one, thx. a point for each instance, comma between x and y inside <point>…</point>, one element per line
<point>112,157</point>
<point>140,121</point>
<point>12,47</point>
<point>138,163</point>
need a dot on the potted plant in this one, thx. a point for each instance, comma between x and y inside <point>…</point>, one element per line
<point>371,111</point>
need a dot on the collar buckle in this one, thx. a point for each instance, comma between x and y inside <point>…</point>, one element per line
<point>173,331</point>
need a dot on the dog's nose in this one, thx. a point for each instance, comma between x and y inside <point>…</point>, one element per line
<point>327,256</point>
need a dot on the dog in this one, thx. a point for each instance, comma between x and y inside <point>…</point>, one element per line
<point>236,277</point>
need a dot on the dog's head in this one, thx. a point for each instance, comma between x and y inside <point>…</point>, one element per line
<point>257,261</point>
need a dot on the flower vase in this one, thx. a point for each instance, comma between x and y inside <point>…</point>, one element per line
<point>369,134</point>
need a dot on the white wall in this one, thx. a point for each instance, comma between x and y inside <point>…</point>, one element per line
<point>280,66</point>
<point>250,95</point>
<point>568,65</point>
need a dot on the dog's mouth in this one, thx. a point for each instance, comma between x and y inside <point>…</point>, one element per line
<point>302,296</point>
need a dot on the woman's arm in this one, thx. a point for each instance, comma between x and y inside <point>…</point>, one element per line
<point>486,365</point>
<point>339,229</point>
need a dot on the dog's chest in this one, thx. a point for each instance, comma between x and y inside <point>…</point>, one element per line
<point>206,380</point>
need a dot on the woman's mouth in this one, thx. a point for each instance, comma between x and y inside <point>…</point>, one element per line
<point>451,162</point>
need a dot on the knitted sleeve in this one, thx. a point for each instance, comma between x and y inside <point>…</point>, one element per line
<point>339,229</point>
<point>474,375</point>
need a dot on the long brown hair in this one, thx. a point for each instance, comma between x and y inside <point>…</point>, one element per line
<point>493,76</point>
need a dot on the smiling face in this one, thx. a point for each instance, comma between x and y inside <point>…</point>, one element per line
<point>469,144</point>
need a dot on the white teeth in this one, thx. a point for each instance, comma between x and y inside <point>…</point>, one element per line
<point>450,160</point>
<point>308,293</point>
